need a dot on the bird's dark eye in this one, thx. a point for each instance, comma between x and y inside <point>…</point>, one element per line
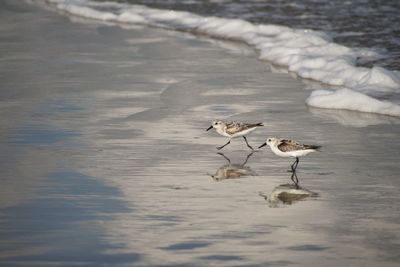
<point>269,140</point>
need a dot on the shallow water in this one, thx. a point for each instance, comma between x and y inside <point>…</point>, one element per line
<point>105,158</point>
<point>306,53</point>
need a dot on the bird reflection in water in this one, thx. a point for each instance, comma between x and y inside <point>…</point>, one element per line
<point>233,170</point>
<point>288,194</point>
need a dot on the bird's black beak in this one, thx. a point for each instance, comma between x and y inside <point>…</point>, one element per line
<point>209,128</point>
<point>263,145</point>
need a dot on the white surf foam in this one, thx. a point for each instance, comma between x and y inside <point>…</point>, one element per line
<point>351,100</point>
<point>309,54</point>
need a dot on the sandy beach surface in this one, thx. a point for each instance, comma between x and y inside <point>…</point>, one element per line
<point>105,160</point>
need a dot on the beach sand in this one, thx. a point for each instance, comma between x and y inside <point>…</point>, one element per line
<point>105,159</point>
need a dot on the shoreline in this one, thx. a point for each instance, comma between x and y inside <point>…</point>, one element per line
<point>309,54</point>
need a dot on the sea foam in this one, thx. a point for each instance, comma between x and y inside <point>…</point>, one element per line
<point>309,54</point>
<point>351,100</point>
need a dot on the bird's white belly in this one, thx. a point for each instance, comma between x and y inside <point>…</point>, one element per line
<point>280,153</point>
<point>224,134</point>
<point>304,152</point>
<point>299,153</point>
<point>245,132</point>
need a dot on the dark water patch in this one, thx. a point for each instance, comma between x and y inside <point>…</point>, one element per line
<point>40,135</point>
<point>222,257</point>
<point>66,198</point>
<point>187,246</point>
<point>277,263</point>
<point>236,236</point>
<point>180,265</point>
<point>57,106</point>
<point>73,257</point>
<point>8,6</point>
<point>61,225</point>
<point>268,264</point>
<point>308,248</point>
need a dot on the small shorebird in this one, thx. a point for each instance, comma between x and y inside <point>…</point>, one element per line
<point>234,129</point>
<point>289,148</point>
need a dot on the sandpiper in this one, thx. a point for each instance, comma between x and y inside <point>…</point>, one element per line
<point>234,129</point>
<point>289,148</point>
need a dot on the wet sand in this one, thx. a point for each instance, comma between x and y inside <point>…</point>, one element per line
<point>105,159</point>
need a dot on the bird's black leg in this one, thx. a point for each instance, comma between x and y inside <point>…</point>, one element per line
<point>245,139</point>
<point>225,157</point>
<point>247,158</point>
<point>221,147</point>
<point>294,165</point>
<point>292,178</point>
<point>296,182</point>
<point>297,163</point>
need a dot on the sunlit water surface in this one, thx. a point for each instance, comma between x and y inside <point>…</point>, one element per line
<point>105,159</point>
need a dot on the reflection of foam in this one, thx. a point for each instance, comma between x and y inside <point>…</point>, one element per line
<point>20,178</point>
<point>352,118</point>
<point>287,194</point>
